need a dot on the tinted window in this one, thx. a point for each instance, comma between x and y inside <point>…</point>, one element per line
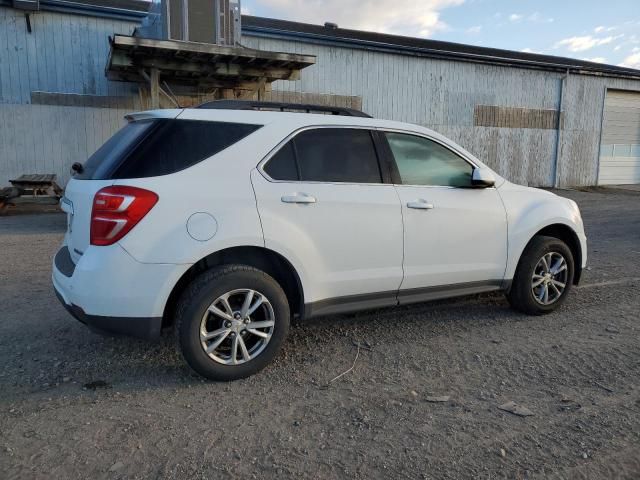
<point>337,155</point>
<point>163,146</point>
<point>424,162</point>
<point>101,164</point>
<point>177,144</point>
<point>282,166</point>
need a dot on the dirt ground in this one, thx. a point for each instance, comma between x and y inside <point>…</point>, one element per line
<point>577,370</point>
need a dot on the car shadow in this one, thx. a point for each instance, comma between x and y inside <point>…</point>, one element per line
<point>89,363</point>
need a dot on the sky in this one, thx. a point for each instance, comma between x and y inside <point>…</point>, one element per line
<point>594,30</point>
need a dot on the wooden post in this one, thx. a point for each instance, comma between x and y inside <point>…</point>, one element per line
<point>262,89</point>
<point>228,94</point>
<point>154,88</point>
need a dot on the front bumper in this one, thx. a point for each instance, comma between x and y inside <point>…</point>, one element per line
<point>110,291</point>
<point>582,238</point>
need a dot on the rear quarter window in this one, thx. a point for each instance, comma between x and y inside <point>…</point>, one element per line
<point>157,147</point>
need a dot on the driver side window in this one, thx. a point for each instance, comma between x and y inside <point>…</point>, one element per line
<point>422,161</point>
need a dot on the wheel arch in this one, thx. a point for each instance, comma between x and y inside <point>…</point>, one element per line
<point>568,235</point>
<point>261,258</point>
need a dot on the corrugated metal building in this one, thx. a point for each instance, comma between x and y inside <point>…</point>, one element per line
<point>538,120</point>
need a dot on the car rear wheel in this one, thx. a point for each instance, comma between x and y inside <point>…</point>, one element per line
<point>231,322</point>
<point>543,277</point>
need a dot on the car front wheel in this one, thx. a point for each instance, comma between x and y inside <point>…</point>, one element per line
<point>543,277</point>
<point>231,322</point>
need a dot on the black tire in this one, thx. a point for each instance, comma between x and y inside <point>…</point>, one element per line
<point>197,298</point>
<point>521,296</point>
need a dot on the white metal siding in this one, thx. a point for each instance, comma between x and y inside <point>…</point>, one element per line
<point>620,146</point>
<point>63,54</point>
<point>442,95</point>
<point>67,53</point>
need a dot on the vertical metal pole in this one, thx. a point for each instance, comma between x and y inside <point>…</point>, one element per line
<point>560,126</point>
<point>217,25</point>
<point>185,20</point>
<point>602,120</point>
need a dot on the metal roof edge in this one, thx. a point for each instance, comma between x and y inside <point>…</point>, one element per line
<point>268,32</point>
<point>63,6</point>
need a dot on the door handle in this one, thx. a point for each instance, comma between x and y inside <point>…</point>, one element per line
<point>420,205</point>
<point>298,198</point>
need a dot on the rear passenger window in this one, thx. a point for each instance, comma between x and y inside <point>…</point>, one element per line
<point>337,155</point>
<point>282,165</point>
<point>327,155</point>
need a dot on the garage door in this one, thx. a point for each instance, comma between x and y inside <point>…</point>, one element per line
<point>620,146</point>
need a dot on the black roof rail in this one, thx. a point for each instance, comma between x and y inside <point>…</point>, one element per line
<point>282,107</point>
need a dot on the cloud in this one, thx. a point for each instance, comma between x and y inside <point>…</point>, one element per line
<point>632,61</point>
<point>587,42</point>
<point>596,60</point>
<point>474,30</point>
<point>404,17</point>
<point>529,50</point>
<point>602,28</point>
<point>537,17</point>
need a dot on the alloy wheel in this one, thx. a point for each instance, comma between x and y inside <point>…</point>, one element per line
<point>237,326</point>
<point>549,279</point>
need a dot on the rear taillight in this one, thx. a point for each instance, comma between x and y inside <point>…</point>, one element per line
<point>116,210</point>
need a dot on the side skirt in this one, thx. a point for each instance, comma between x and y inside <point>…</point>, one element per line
<point>416,295</point>
<point>368,301</point>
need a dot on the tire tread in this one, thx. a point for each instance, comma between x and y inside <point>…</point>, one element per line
<point>519,295</point>
<point>215,276</point>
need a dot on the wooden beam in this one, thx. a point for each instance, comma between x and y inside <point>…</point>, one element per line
<point>122,61</point>
<point>261,89</point>
<point>200,82</point>
<point>154,88</point>
<point>121,42</point>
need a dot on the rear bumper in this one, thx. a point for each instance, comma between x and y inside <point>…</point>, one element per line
<point>110,291</point>
<point>146,328</point>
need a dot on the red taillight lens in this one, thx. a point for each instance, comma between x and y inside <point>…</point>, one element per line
<point>116,210</point>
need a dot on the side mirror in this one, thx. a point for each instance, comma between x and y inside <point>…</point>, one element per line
<point>482,178</point>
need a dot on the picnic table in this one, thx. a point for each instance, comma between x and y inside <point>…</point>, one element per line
<point>38,184</point>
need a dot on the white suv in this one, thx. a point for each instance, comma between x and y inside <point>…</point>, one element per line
<point>227,221</point>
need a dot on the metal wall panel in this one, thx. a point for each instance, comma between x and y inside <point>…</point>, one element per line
<point>66,54</point>
<point>63,54</point>
<point>442,95</point>
<point>49,139</point>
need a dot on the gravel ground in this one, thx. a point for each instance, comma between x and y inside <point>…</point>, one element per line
<point>577,370</point>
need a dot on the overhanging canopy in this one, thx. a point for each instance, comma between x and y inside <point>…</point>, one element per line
<point>200,64</point>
